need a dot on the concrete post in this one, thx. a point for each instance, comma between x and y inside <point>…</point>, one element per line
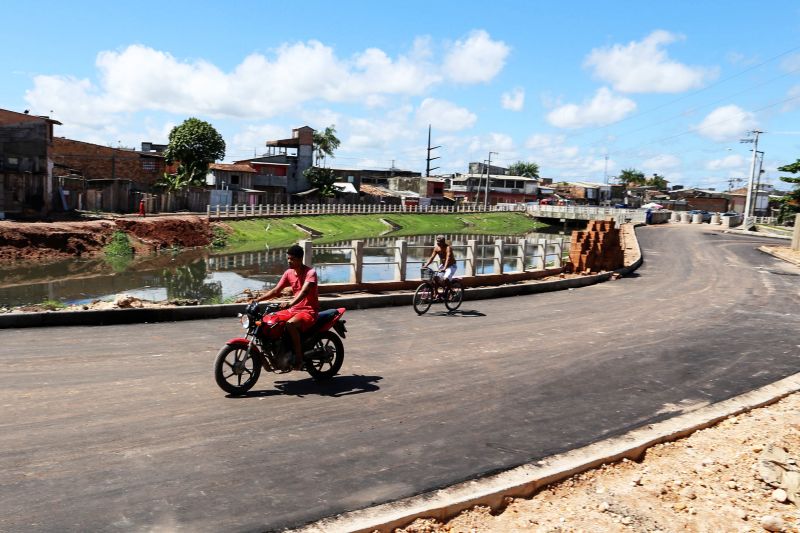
<point>471,263</point>
<point>357,261</point>
<point>400,259</point>
<point>227,210</point>
<point>217,211</point>
<point>498,256</point>
<point>796,233</point>
<point>541,249</point>
<point>208,211</point>
<point>685,218</point>
<point>675,217</point>
<point>715,219</point>
<point>558,250</point>
<point>308,252</point>
<point>697,218</point>
<point>522,248</point>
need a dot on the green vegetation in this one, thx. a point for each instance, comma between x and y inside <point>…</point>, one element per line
<point>194,145</point>
<point>119,252</point>
<point>524,168</point>
<point>254,234</point>
<point>790,204</point>
<point>119,245</point>
<point>219,237</point>
<point>52,305</point>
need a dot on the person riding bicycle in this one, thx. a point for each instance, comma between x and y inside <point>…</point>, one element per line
<point>447,261</point>
<point>301,312</point>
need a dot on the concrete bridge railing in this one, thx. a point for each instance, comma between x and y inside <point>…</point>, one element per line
<point>476,262</point>
<point>219,212</point>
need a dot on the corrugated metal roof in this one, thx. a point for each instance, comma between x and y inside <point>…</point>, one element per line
<point>238,167</point>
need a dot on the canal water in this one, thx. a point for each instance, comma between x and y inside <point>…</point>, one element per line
<point>215,277</point>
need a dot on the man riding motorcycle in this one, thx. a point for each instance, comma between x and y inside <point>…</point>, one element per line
<point>301,312</point>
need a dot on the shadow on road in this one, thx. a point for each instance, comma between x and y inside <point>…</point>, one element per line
<point>458,312</point>
<point>337,387</point>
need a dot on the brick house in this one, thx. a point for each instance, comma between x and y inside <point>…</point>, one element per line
<point>26,165</point>
<point>95,161</point>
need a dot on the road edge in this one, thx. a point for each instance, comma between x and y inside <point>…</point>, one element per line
<point>523,481</point>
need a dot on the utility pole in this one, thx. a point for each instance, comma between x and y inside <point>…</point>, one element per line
<point>749,199</point>
<point>758,183</point>
<point>488,179</point>
<point>429,158</point>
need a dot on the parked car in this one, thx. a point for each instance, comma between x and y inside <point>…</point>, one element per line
<point>706,214</point>
<point>729,214</point>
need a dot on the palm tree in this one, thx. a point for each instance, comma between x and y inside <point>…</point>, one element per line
<point>325,143</point>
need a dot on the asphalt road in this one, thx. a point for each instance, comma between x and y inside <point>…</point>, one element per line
<point>122,428</point>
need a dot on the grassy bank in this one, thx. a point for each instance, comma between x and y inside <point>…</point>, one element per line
<point>278,232</point>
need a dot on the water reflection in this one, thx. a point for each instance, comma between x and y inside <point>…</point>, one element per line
<point>211,277</point>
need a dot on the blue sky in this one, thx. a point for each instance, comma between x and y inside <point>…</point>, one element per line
<point>582,88</point>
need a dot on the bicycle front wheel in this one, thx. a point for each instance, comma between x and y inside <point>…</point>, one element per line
<point>423,298</point>
<point>454,296</point>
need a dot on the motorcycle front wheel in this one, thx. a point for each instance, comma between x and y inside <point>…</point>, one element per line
<point>235,370</point>
<point>326,357</point>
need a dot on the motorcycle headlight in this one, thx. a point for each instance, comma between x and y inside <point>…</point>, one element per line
<point>245,320</point>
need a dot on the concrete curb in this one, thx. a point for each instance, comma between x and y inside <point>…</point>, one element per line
<point>777,254</point>
<point>109,317</point>
<point>523,481</point>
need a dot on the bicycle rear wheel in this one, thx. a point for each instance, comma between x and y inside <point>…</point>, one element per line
<point>423,298</point>
<point>454,296</point>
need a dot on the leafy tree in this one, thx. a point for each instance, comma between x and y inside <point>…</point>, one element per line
<point>659,182</point>
<point>194,145</point>
<point>632,178</point>
<point>323,179</point>
<point>524,168</point>
<point>790,203</point>
<point>325,143</point>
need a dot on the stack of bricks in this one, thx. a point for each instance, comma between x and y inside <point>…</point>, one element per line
<point>596,249</point>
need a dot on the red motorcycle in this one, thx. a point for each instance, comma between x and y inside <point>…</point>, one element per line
<point>267,344</point>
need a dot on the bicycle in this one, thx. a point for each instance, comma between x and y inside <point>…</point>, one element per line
<point>428,293</point>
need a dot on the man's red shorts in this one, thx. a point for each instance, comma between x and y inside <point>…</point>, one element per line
<point>304,319</point>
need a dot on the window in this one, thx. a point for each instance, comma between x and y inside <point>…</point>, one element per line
<point>149,165</point>
<point>234,179</point>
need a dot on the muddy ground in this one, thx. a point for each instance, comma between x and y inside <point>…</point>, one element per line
<point>49,241</point>
<point>715,480</point>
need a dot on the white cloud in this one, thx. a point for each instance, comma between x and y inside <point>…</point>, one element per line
<point>644,67</point>
<point>253,138</point>
<point>793,96</point>
<point>513,100</point>
<point>500,143</point>
<point>791,63</point>
<point>476,59</point>
<point>661,163</point>
<point>726,123</point>
<point>558,160</point>
<point>444,115</point>
<point>733,161</point>
<point>605,108</point>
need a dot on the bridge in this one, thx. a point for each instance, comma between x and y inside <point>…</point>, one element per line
<point>219,212</point>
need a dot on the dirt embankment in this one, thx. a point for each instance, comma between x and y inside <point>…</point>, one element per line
<point>37,241</point>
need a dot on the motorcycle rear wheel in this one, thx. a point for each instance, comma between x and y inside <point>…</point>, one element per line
<point>235,370</point>
<point>327,358</point>
<point>454,296</point>
<point>423,298</point>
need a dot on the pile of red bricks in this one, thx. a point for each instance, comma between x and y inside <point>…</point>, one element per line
<point>596,249</point>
